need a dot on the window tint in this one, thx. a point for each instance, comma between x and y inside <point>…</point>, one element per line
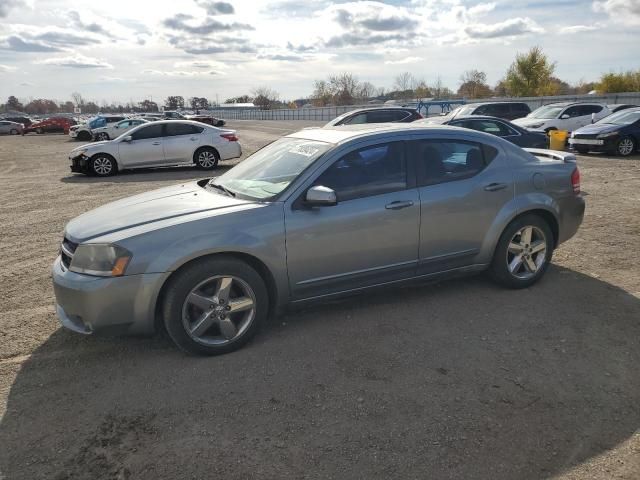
<point>440,161</point>
<point>381,116</point>
<point>490,126</point>
<point>574,111</point>
<point>520,108</point>
<point>124,124</point>
<point>400,115</point>
<point>174,129</point>
<point>356,119</point>
<point>152,131</point>
<point>589,109</point>
<point>367,171</point>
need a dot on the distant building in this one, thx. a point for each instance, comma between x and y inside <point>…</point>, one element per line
<point>248,105</point>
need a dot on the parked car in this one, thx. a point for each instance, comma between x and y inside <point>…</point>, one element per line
<point>157,144</point>
<point>563,116</point>
<point>617,133</point>
<point>504,110</point>
<point>501,128</point>
<point>616,107</point>
<point>313,215</point>
<point>208,119</point>
<point>51,125</point>
<point>84,131</point>
<point>11,128</point>
<point>376,115</point>
<point>26,121</point>
<point>113,130</point>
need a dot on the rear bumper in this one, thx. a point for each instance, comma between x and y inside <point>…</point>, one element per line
<point>229,150</point>
<point>121,305</point>
<point>572,209</point>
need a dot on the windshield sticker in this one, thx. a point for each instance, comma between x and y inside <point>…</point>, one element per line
<point>307,150</point>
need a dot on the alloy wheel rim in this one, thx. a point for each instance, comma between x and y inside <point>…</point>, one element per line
<point>526,252</point>
<point>218,310</point>
<point>207,159</point>
<point>625,146</point>
<point>102,166</point>
<point>102,136</point>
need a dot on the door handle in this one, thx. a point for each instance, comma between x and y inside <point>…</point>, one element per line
<point>155,143</point>
<point>398,205</point>
<point>193,139</point>
<point>494,187</point>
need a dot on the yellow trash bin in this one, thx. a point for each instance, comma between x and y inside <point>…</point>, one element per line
<point>557,139</point>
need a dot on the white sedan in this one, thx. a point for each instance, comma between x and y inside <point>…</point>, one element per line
<point>114,130</point>
<point>158,144</point>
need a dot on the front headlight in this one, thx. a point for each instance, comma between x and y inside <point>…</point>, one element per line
<point>103,260</point>
<point>609,134</point>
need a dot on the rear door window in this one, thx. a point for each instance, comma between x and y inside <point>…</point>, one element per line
<point>152,131</point>
<point>381,116</point>
<point>176,129</point>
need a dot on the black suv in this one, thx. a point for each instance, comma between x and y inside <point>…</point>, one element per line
<point>376,115</point>
<point>505,110</point>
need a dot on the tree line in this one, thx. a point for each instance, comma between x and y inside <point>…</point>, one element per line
<point>531,74</point>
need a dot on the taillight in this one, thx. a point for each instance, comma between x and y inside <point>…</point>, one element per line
<point>575,180</point>
<point>230,136</point>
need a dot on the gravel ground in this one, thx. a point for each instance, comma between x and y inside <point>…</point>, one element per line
<point>459,379</point>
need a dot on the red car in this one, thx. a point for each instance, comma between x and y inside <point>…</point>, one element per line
<point>51,124</point>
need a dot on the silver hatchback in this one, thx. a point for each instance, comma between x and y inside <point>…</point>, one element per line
<point>315,214</point>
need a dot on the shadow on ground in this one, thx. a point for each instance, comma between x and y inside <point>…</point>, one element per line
<point>150,174</point>
<point>454,380</point>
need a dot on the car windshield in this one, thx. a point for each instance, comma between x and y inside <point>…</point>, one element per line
<point>625,117</point>
<point>548,111</point>
<point>460,111</point>
<point>270,170</point>
<point>97,122</point>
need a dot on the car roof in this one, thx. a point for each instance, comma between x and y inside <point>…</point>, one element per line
<point>477,104</point>
<point>345,132</point>
<point>566,104</point>
<point>480,117</point>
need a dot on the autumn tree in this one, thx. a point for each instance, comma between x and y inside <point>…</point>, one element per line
<point>530,74</point>
<point>619,82</point>
<point>474,85</point>
<point>265,98</point>
<point>199,103</point>
<point>174,102</point>
<point>14,104</point>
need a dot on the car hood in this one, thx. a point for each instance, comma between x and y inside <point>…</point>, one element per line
<point>599,128</point>
<point>146,208</point>
<point>526,121</point>
<point>90,146</point>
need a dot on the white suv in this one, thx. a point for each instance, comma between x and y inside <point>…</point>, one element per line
<point>113,130</point>
<point>85,130</point>
<point>158,144</point>
<point>563,116</point>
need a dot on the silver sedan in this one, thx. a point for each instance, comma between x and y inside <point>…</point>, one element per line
<point>318,213</point>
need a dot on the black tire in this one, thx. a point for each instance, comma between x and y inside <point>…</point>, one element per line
<point>206,158</point>
<point>39,131</point>
<point>499,269</point>
<point>582,150</point>
<point>626,146</point>
<point>84,135</point>
<point>181,285</point>
<point>13,131</point>
<point>103,165</point>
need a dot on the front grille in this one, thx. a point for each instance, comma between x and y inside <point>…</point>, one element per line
<point>585,135</point>
<point>67,250</point>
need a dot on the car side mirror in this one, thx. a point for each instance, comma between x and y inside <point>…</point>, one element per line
<point>128,138</point>
<point>320,196</point>
<point>564,116</point>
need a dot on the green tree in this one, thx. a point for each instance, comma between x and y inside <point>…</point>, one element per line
<point>13,104</point>
<point>174,102</point>
<point>530,74</point>
<point>620,82</point>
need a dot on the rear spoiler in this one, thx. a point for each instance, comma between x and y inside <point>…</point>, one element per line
<point>552,154</point>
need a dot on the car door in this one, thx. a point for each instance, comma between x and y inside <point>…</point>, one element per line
<point>369,237</point>
<point>180,142</point>
<point>462,185</point>
<point>587,111</point>
<point>117,129</point>
<point>4,127</point>
<point>494,127</point>
<point>145,147</point>
<point>570,118</point>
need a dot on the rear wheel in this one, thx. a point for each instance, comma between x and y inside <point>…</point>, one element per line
<point>13,131</point>
<point>39,131</point>
<point>626,146</point>
<point>206,158</point>
<point>523,253</point>
<point>103,165</point>
<point>102,136</point>
<point>214,306</point>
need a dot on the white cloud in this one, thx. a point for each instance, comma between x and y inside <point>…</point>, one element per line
<point>623,11</point>
<point>76,61</point>
<point>571,29</point>
<point>509,28</point>
<point>403,61</point>
<point>7,68</point>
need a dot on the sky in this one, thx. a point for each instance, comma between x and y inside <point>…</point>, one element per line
<point>123,50</point>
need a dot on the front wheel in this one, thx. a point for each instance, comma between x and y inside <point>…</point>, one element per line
<point>626,146</point>
<point>84,136</point>
<point>13,132</point>
<point>206,158</point>
<point>39,131</point>
<point>102,136</point>
<point>523,252</point>
<point>214,306</point>
<point>103,165</point>
<point>582,150</point>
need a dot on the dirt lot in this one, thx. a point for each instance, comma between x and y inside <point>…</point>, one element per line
<point>455,380</point>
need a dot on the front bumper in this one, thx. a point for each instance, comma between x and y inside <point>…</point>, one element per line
<point>79,163</point>
<point>120,305</point>
<point>594,144</point>
<point>73,133</point>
